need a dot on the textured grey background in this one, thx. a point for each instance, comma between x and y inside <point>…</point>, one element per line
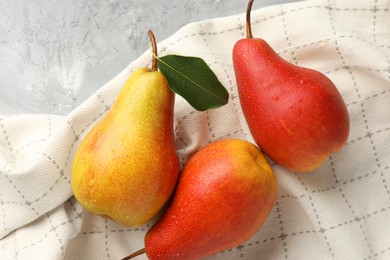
<point>55,54</point>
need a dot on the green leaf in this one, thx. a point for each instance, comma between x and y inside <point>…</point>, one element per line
<point>191,78</point>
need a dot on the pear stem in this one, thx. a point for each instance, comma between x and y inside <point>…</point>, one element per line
<point>248,20</point>
<point>137,253</point>
<point>154,49</point>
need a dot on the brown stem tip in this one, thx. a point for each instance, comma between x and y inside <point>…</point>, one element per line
<point>248,20</point>
<point>154,49</point>
<point>137,253</point>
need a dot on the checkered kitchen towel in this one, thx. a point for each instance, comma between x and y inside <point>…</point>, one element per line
<point>340,211</point>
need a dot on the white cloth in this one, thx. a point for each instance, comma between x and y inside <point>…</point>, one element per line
<point>340,211</point>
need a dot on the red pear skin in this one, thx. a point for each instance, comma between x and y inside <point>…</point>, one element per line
<point>296,115</point>
<point>224,195</point>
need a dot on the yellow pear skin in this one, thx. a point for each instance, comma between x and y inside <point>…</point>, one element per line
<point>126,168</point>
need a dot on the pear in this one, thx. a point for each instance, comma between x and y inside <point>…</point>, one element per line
<point>296,115</point>
<point>224,195</point>
<point>126,167</point>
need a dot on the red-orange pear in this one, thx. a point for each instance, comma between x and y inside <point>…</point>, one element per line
<point>225,193</point>
<point>296,115</point>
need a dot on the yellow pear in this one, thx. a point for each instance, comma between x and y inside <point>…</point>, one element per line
<point>126,168</point>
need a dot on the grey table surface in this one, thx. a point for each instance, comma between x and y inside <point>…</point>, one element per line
<point>55,54</point>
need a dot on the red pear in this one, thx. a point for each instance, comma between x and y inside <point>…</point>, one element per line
<point>225,193</point>
<point>296,115</point>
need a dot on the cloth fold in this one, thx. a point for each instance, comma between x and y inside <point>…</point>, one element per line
<point>339,211</point>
